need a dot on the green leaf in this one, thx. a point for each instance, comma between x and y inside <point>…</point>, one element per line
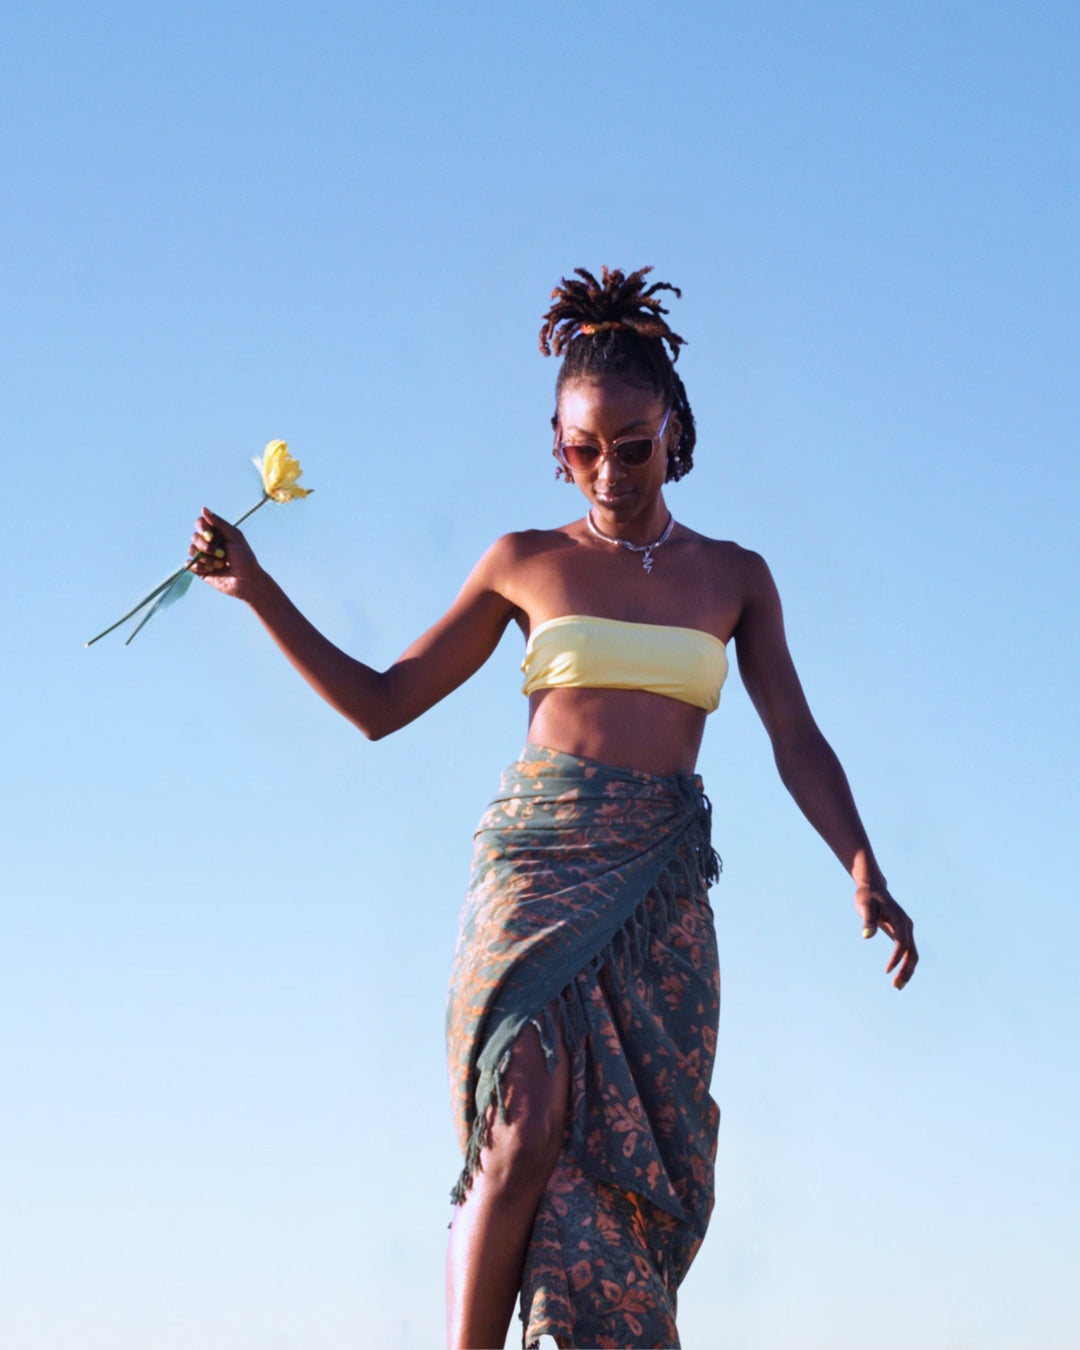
<point>169,596</point>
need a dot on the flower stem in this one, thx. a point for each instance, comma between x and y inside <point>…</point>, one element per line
<point>179,587</point>
<point>144,601</point>
<point>261,502</point>
<point>169,580</point>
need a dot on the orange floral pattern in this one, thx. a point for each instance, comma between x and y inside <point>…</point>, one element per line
<point>588,897</point>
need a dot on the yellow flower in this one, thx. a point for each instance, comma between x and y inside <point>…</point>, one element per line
<point>279,473</point>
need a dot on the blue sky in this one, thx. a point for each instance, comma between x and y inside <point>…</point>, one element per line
<point>227,920</point>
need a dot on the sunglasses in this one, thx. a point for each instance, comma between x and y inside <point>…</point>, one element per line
<point>632,452</point>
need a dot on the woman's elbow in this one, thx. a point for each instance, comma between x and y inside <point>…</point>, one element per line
<point>374,717</point>
<point>374,729</point>
<point>798,748</point>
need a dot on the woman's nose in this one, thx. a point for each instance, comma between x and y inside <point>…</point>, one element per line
<point>611,467</point>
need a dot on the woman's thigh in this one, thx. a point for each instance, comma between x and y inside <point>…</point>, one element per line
<point>527,1135</point>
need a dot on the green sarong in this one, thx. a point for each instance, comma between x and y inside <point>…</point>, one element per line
<point>588,896</point>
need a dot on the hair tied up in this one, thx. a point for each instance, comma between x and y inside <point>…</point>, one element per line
<point>615,326</point>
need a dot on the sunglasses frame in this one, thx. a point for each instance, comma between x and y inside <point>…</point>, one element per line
<point>613,449</point>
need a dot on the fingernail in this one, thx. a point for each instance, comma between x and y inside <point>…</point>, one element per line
<point>868,932</point>
<point>219,553</point>
<point>208,535</point>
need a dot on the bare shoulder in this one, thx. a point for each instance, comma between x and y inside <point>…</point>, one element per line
<point>751,569</point>
<point>511,552</point>
<point>514,556</point>
<point>743,568</point>
<point>525,544</point>
<point>508,551</point>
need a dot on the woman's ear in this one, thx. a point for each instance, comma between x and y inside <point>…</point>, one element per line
<point>674,432</point>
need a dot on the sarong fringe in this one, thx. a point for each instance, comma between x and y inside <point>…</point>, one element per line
<point>653,919</point>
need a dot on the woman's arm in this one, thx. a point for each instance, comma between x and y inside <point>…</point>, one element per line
<point>807,764</point>
<point>376,702</point>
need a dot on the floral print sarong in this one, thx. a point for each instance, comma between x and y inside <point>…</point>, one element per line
<point>588,896</point>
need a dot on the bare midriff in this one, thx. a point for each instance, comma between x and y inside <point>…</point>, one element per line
<point>627,728</point>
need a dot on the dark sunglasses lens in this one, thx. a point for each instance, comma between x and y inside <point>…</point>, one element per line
<point>635,453</point>
<point>580,457</point>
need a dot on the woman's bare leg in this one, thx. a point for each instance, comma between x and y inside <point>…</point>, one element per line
<point>490,1232</point>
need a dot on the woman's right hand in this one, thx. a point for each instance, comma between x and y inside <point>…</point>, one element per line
<point>223,557</point>
<point>878,909</point>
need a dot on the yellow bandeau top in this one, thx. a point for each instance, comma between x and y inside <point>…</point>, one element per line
<point>577,651</point>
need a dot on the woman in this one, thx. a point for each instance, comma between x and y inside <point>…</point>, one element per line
<point>583,1004</point>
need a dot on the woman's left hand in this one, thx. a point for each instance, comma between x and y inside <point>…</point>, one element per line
<point>221,555</point>
<point>879,910</point>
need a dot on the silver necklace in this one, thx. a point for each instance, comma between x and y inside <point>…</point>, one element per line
<point>646,550</point>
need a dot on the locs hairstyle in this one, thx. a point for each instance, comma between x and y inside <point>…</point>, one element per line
<point>614,327</point>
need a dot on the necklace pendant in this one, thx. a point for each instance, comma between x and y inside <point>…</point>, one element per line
<point>646,550</point>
